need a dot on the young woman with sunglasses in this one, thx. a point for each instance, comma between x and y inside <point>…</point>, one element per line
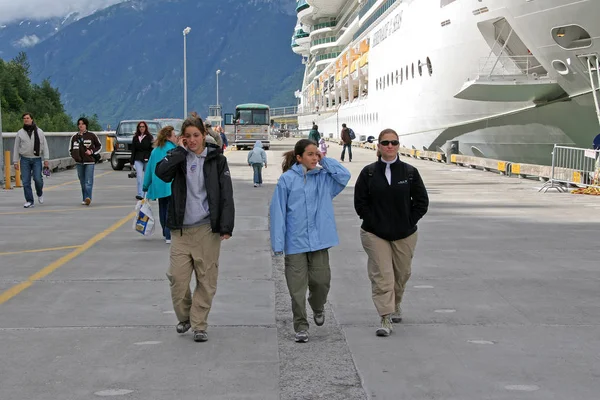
<point>390,198</point>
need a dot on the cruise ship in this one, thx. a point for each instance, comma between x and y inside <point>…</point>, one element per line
<point>507,79</point>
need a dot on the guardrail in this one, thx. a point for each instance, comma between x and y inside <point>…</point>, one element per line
<point>283,111</point>
<point>571,167</point>
<point>58,145</point>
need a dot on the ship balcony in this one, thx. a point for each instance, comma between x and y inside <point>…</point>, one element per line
<point>301,5</point>
<point>301,37</point>
<point>323,28</point>
<point>325,43</point>
<point>511,79</point>
<point>305,11</point>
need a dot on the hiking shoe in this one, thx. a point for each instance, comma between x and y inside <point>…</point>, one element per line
<point>386,327</point>
<point>28,205</point>
<point>302,337</point>
<point>183,327</point>
<point>41,199</point>
<point>87,201</point>
<point>319,317</point>
<point>200,336</point>
<point>396,316</point>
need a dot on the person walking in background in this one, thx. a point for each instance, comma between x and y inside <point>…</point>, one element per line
<point>257,157</point>
<point>202,212</point>
<point>213,134</point>
<point>30,149</point>
<point>347,142</point>
<point>85,148</point>
<point>303,227</point>
<point>314,134</point>
<point>390,198</point>
<point>323,146</point>
<point>141,147</point>
<point>155,188</point>
<point>219,130</point>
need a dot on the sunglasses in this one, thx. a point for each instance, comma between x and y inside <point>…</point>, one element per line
<point>388,142</point>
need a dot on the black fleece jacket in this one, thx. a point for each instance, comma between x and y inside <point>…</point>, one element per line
<point>219,188</point>
<point>390,212</point>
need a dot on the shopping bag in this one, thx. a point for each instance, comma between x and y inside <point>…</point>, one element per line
<point>143,222</point>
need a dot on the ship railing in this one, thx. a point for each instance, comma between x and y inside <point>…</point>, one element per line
<point>572,166</point>
<point>511,66</point>
<point>283,111</point>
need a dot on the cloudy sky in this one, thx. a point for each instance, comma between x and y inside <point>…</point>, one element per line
<point>12,10</point>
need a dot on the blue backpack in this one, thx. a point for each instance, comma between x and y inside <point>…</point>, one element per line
<point>352,135</point>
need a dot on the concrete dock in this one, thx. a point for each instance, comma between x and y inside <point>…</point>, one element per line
<point>503,303</point>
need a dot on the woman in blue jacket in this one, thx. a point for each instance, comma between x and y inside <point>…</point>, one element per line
<point>303,227</point>
<point>157,188</point>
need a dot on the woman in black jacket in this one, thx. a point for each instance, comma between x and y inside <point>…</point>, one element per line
<point>141,147</point>
<point>390,198</point>
<point>201,214</point>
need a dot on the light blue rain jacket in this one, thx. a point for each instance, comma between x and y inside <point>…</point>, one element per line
<point>302,218</point>
<point>257,155</point>
<point>155,187</point>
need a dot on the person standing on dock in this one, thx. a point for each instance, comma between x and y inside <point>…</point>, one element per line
<point>85,150</point>
<point>390,197</point>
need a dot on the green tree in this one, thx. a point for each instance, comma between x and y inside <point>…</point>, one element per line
<point>18,95</point>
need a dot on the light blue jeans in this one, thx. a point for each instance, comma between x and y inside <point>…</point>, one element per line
<point>86,179</point>
<point>140,167</point>
<point>257,173</point>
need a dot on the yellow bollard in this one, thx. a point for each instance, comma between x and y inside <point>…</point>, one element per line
<point>18,177</point>
<point>7,184</point>
<point>109,144</point>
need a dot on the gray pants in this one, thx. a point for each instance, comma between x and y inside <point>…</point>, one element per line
<point>307,271</point>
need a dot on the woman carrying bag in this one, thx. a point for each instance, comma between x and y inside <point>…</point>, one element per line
<point>141,147</point>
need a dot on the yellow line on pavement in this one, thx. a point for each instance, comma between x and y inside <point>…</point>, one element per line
<point>77,181</point>
<point>15,290</point>
<point>82,208</point>
<point>38,250</point>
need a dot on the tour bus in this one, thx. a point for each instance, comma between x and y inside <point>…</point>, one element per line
<point>250,123</point>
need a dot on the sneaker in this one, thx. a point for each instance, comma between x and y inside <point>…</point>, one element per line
<point>386,327</point>
<point>138,197</point>
<point>200,336</point>
<point>168,241</point>
<point>41,199</point>
<point>396,316</point>
<point>302,337</point>
<point>83,203</point>
<point>87,201</point>
<point>28,205</point>
<point>183,327</point>
<point>256,185</point>
<point>319,317</point>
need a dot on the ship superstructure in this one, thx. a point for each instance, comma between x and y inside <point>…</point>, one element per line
<point>506,78</point>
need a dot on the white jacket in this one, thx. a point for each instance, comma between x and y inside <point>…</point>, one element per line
<point>24,145</point>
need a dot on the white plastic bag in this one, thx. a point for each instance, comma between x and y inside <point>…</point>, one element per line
<point>143,221</point>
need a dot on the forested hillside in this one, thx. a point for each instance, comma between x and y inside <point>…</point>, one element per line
<point>19,95</point>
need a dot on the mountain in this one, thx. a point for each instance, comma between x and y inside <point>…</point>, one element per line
<point>22,35</point>
<point>126,61</point>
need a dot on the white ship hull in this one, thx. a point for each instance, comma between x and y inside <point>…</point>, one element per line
<point>426,109</point>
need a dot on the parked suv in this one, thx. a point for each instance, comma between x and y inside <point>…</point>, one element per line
<point>122,139</point>
<point>174,122</point>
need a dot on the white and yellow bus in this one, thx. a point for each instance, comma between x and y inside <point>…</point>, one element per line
<point>251,122</point>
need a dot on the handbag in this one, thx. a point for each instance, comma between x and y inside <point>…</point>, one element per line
<point>143,222</point>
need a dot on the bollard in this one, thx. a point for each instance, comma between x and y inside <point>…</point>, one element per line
<point>7,184</point>
<point>18,177</point>
<point>451,148</point>
<point>109,144</point>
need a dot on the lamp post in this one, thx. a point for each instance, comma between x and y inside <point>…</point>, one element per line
<point>186,31</point>
<point>218,72</point>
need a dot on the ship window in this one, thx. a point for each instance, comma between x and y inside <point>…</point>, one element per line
<point>388,80</point>
<point>412,70</point>
<point>397,77</point>
<point>377,85</point>
<point>429,67</point>
<point>420,68</point>
<point>407,72</point>
<point>571,37</point>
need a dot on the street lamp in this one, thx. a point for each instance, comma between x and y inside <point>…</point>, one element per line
<point>186,31</point>
<point>218,72</point>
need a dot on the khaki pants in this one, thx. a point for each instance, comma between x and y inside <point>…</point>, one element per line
<point>196,250</point>
<point>307,270</point>
<point>389,268</point>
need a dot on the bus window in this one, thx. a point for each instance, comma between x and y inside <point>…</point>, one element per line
<point>260,117</point>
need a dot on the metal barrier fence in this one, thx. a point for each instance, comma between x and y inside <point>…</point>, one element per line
<point>573,166</point>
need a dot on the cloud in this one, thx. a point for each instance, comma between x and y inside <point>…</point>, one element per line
<point>11,10</point>
<point>28,41</point>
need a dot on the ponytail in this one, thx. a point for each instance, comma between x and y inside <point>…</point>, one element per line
<point>289,159</point>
